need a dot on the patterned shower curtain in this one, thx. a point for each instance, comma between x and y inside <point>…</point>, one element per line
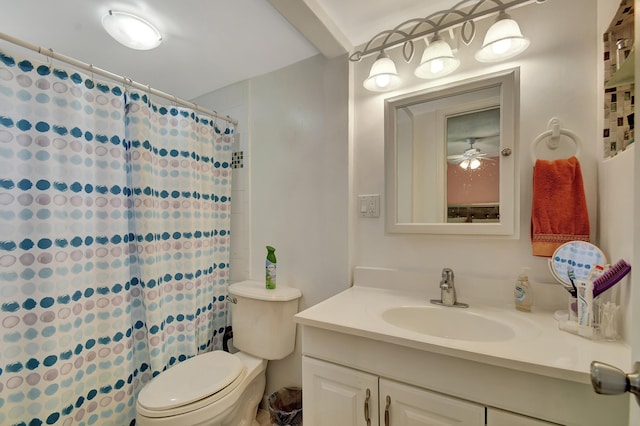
<point>114,222</point>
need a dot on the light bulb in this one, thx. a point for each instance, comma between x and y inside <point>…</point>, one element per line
<point>383,80</point>
<point>465,164</point>
<point>475,163</point>
<point>501,47</point>
<point>437,65</point>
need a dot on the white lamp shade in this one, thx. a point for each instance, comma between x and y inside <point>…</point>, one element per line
<point>437,60</point>
<point>383,75</point>
<point>503,40</point>
<point>472,164</point>
<point>131,30</point>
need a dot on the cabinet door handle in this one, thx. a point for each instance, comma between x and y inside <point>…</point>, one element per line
<point>367,417</point>
<point>386,411</point>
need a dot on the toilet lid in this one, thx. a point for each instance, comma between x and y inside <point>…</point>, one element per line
<point>191,380</point>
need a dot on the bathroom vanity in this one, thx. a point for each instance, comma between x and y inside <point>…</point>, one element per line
<point>374,356</point>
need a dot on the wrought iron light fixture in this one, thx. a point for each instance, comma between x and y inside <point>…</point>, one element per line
<point>131,30</point>
<point>503,40</point>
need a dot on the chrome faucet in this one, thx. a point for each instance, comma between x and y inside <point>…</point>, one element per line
<point>448,291</point>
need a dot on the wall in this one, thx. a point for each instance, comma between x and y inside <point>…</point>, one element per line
<point>482,185</point>
<point>292,192</point>
<point>558,77</point>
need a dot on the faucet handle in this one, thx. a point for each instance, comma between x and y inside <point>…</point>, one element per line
<point>447,275</point>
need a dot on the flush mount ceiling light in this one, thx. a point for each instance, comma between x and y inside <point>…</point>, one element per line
<point>437,60</point>
<point>503,40</point>
<point>131,30</point>
<point>383,75</point>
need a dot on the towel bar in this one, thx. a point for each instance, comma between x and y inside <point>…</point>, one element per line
<point>554,132</point>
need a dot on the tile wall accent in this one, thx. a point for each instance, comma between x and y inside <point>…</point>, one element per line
<point>619,100</point>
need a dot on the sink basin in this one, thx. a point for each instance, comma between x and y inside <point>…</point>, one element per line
<point>449,323</point>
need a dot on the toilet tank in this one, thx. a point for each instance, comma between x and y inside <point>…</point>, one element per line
<point>262,320</point>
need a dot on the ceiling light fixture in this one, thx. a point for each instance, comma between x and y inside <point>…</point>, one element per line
<point>472,164</point>
<point>503,40</point>
<point>131,30</point>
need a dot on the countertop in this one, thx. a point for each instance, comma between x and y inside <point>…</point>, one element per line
<point>538,346</point>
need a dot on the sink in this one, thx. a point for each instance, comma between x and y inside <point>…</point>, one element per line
<point>449,323</point>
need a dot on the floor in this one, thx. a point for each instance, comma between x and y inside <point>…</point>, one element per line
<point>262,418</point>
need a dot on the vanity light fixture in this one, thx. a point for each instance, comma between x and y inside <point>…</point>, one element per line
<point>437,60</point>
<point>131,30</point>
<point>383,75</point>
<point>503,40</point>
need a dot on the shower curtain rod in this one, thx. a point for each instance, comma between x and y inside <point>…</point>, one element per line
<point>115,77</point>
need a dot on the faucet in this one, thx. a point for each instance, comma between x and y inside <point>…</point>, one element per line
<point>448,291</point>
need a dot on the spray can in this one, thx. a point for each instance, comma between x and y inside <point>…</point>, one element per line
<point>270,268</point>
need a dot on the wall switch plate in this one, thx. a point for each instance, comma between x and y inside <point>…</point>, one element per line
<point>369,205</point>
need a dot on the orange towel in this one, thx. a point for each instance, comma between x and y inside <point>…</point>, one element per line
<point>559,208</point>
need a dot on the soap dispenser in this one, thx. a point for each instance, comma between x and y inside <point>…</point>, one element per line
<point>523,293</point>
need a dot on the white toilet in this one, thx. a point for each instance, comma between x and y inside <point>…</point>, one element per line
<point>219,388</point>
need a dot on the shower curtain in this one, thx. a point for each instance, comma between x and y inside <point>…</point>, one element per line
<point>114,243</point>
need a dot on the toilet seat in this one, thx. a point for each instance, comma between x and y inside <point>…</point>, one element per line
<point>192,384</point>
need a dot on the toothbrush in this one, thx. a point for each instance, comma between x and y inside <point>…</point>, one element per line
<point>572,278</point>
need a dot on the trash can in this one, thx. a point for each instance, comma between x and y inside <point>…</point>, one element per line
<point>285,407</point>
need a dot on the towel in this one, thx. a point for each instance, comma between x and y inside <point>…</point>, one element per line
<point>559,207</point>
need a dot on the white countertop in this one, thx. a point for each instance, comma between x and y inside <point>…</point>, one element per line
<point>538,347</point>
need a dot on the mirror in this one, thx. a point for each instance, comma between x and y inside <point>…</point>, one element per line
<point>449,163</point>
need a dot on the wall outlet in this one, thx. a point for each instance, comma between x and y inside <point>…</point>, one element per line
<point>369,205</point>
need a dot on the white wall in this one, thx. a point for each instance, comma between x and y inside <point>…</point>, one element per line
<point>558,76</point>
<point>292,192</point>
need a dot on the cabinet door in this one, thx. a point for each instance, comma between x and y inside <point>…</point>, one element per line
<point>497,417</point>
<point>335,395</point>
<point>404,405</point>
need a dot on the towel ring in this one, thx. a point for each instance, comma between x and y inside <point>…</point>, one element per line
<point>556,132</point>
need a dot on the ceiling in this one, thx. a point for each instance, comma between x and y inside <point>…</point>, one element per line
<point>207,44</point>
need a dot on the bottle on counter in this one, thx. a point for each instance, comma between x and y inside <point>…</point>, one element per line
<point>523,293</point>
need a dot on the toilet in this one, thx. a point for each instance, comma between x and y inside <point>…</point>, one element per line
<point>219,388</point>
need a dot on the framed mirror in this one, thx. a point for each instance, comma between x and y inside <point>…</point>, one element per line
<point>450,166</point>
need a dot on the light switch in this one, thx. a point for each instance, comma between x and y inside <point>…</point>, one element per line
<point>369,205</point>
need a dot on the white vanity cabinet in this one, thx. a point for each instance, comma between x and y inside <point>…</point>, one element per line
<point>504,418</point>
<point>337,395</point>
<point>539,376</point>
<point>334,395</point>
<point>404,405</point>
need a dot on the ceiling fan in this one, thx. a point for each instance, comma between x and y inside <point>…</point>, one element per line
<point>471,157</point>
